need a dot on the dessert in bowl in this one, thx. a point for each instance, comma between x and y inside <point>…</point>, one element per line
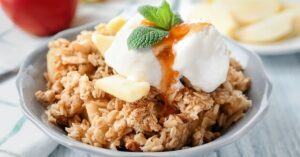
<point>144,85</point>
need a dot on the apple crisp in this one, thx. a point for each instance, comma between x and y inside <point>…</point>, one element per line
<point>149,124</point>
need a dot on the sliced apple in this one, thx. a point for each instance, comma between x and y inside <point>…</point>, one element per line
<point>296,7</point>
<point>292,5</point>
<point>297,25</point>
<point>102,42</point>
<point>91,110</point>
<point>268,30</point>
<point>115,25</point>
<point>249,11</point>
<point>123,88</point>
<point>51,68</point>
<point>217,14</point>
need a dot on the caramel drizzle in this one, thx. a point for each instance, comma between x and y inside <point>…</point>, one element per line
<point>166,56</point>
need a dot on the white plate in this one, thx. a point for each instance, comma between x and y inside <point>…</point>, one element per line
<point>280,48</point>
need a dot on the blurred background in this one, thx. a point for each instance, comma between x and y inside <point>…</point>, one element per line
<point>270,28</point>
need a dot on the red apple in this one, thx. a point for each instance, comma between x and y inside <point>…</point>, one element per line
<point>41,17</point>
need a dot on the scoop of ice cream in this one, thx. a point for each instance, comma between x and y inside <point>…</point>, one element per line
<point>135,64</point>
<point>202,57</point>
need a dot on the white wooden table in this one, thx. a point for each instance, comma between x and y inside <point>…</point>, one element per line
<point>277,135</point>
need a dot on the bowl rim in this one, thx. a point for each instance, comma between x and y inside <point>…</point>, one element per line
<point>213,145</point>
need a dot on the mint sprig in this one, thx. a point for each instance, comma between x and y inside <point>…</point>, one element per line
<point>163,18</point>
<point>143,37</point>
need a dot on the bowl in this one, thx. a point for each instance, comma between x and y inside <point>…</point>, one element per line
<point>30,79</point>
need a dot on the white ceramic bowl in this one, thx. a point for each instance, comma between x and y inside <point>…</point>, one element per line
<point>30,79</point>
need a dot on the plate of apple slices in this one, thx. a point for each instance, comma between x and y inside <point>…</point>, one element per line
<point>269,27</point>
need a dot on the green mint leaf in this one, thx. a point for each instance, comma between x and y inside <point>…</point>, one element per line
<point>155,15</point>
<point>165,14</point>
<point>176,20</point>
<point>144,37</point>
<point>162,16</point>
